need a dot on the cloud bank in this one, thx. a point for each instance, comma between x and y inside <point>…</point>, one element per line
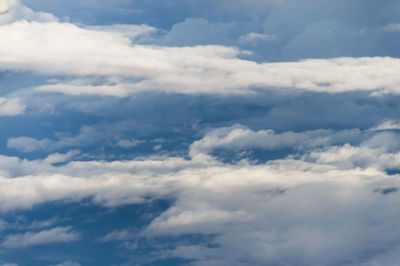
<point>266,133</point>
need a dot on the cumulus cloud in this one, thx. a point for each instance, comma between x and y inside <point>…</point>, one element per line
<point>200,69</point>
<point>54,235</point>
<point>16,11</point>
<point>330,199</point>
<point>267,206</point>
<point>238,137</point>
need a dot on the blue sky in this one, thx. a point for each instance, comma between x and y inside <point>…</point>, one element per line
<point>202,133</point>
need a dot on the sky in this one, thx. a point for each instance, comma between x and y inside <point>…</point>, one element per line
<point>200,133</point>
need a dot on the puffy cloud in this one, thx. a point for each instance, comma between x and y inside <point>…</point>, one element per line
<point>331,199</point>
<point>54,235</point>
<point>239,137</point>
<point>16,11</point>
<point>295,23</point>
<point>199,69</point>
<point>324,196</point>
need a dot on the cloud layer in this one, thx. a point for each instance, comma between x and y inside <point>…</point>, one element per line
<point>266,133</point>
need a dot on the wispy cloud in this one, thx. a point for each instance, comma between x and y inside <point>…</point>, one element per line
<point>54,235</point>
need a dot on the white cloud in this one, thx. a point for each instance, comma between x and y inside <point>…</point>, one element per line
<point>27,144</point>
<point>54,235</point>
<point>387,125</point>
<point>61,158</point>
<point>5,5</point>
<point>11,107</point>
<point>327,206</point>
<point>68,263</point>
<point>17,11</point>
<point>200,69</point>
<point>87,136</point>
<point>119,235</point>
<point>256,37</point>
<point>394,27</point>
<point>129,31</point>
<point>240,137</point>
<point>259,213</point>
<point>126,143</point>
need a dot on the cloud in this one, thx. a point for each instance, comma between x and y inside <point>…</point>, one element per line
<point>5,5</point>
<point>87,136</point>
<point>61,158</point>
<point>68,263</point>
<point>27,144</point>
<point>261,213</point>
<point>255,37</point>
<point>129,31</point>
<point>387,125</point>
<point>119,235</point>
<point>199,69</point>
<point>54,235</point>
<point>11,107</point>
<point>125,143</point>
<point>329,199</point>
<point>394,27</point>
<point>238,137</point>
<point>295,23</point>
<point>16,11</point>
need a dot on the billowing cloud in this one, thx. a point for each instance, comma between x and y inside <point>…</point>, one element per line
<point>260,205</point>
